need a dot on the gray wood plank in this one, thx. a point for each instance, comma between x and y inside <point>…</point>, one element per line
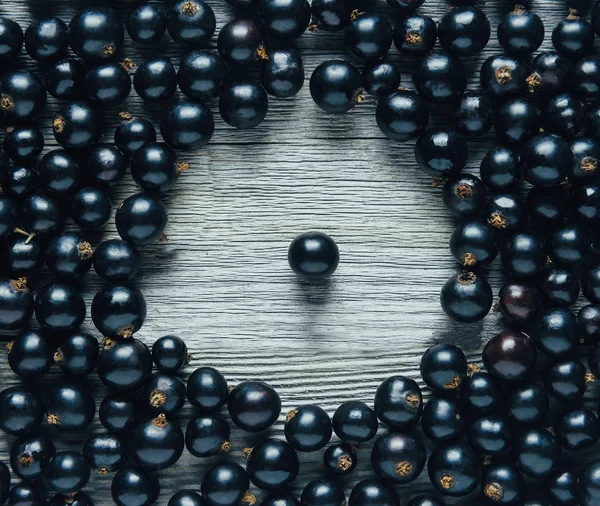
<point>222,281</point>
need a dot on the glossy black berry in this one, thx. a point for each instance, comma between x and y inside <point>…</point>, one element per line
<point>91,208</point>
<point>225,484</point>
<point>503,484</point>
<point>398,402</point>
<point>170,354</point>
<point>402,115</point>
<point>518,302</point>
<point>105,453</point>
<point>373,492</point>
<point>323,491</point>
<point>240,42</point>
<point>207,435</point>
<point>313,255</point>
<point>283,73</point>
<point>381,79</point>
<point>284,19</point>
<point>466,297</point>
<point>69,406</point>
<point>548,206</point>
<point>549,72</point>
<point>46,39</point>
<point>95,34</point>
<point>536,453</point>
<point>9,216</point>
<point>155,80</point>
<point>368,35</point>
<point>510,356</point>
<point>164,393</point>
<point>588,324</point>
<point>546,159</point>
<point>189,125</point>
<point>59,307</point>
<point>561,487</point>
<point>69,255</point>
<point>59,172</point>
<point>454,469</point>
<point>521,31</point>
<point>559,286</point>
<point>489,434</point>
<point>146,24</point>
<point>107,84</point>
<point>585,205</point>
<point>330,15</point>
<point>23,144</point>
<point>586,157</point>
<point>78,125</point>
<point>67,472</point>
<point>442,419</point>
<point>503,76</point>
<point>474,244</point>
<point>577,429</point>
<point>30,354</point>
<point>441,153</point>
<point>308,428</point>
<point>355,422</point>
<point>77,354</point>
<point>589,483</point>
<point>23,96</point>
<point>340,459</point>
<point>141,219</point>
<point>585,77</point>
<point>118,413</point>
<point>155,167</point>
<point>202,75</point>
<point>555,330</point>
<point>191,22</point>
<point>156,443</point>
<point>124,365</point>
<point>464,30</point>
<point>11,39</point>
<point>564,114</point>
<point>22,257</point>
<point>206,387</point>
<point>272,464</point>
<point>30,455</point>
<point>335,86</point>
<point>415,34</point>
<point>134,486</point>
<point>425,500</point>
<point>131,135</point>
<point>479,392</point>
<point>474,114</point>
<point>186,498</point>
<point>573,36</point>
<point>500,169</point>
<point>244,105</point>
<point>505,212</point>
<point>119,311</point>
<point>27,493</point>
<point>16,305</point>
<point>440,77</point>
<point>65,79</point>
<point>253,406</point>
<point>516,120</point>
<point>566,380</point>
<point>528,405</point>
<point>21,182</point>
<point>523,255</point>
<point>21,410</point>
<point>116,261</point>
<point>443,367</point>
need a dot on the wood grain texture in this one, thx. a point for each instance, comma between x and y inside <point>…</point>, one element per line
<point>222,281</point>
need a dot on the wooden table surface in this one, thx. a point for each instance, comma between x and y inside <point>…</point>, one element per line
<point>222,281</point>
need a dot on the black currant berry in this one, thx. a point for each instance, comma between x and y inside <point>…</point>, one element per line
<point>95,34</point>
<point>155,80</point>
<point>202,75</point>
<point>510,356</point>
<point>330,15</point>
<point>503,76</point>
<point>554,331</point>
<point>335,86</point>
<point>119,311</point>
<point>21,411</point>
<point>77,354</point>
<point>11,39</point>
<point>454,469</point>
<point>9,216</point>
<point>489,434</point>
<point>441,153</point>
<point>573,36</point>
<point>398,402</point>
<point>503,484</point>
<point>23,144</point>
<point>105,453</point>
<point>307,428</point>
<point>225,484</point>
<point>528,405</point>
<point>157,443</point>
<point>134,486</point>
<point>585,77</point>
<point>523,255</point>
<point>284,19</point>
<point>373,492</point>
<point>283,73</point>
<point>116,260</point>
<point>474,244</point>
<point>564,115</point>
<point>132,134</point>
<point>577,429</point>
<point>207,435</point>
<point>368,35</point>
<point>479,392</point>
<point>78,126</point>
<point>516,120</point>
<point>415,34</point>
<point>65,79</point>
<point>67,472</point>
<point>30,455</point>
<point>464,30</point>
<point>170,354</point>
<point>442,419</point>
<point>69,406</point>
<point>30,354</point>
<point>17,303</point>
<point>23,96</point>
<point>244,105</point>
<point>22,257</point>
<point>118,413</point>
<point>559,286</point>
<point>164,393</point>
<point>146,24</point>
<point>313,255</point>
<point>474,114</point>
<point>586,156</point>
<point>381,79</point>
<point>567,380</point>
<point>59,307</point>
<point>191,22</point>
<point>585,205</point>
<point>549,72</point>
<point>272,464</point>
<point>141,219</point>
<point>466,297</point>
<point>536,453</point>
<point>520,31</point>
<point>254,406</point>
<point>186,498</point>
<point>440,77</point>
<point>402,115</point>
<point>240,42</point>
<point>547,206</point>
<point>124,365</point>
<point>206,388</point>
<point>443,367</point>
<point>78,499</point>
<point>91,208</point>
<point>355,422</point>
<point>69,255</point>
<point>588,324</point>
<point>340,459</point>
